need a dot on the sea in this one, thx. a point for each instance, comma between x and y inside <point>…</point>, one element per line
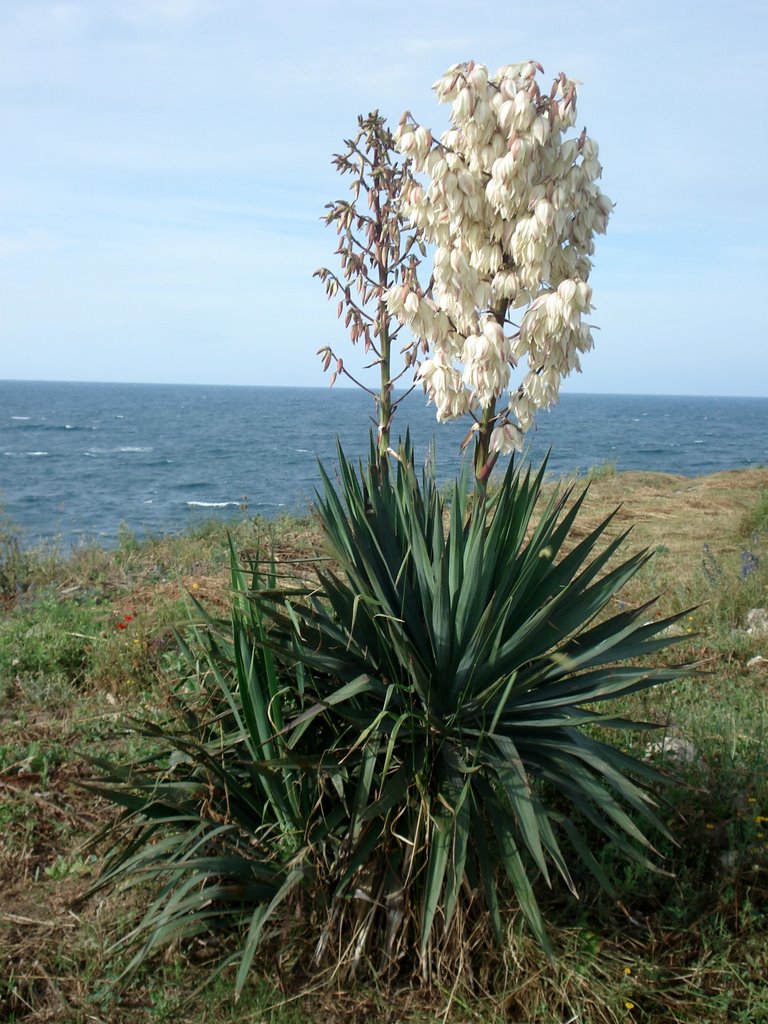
<point>81,462</point>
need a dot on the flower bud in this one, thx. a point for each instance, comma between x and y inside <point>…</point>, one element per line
<point>506,439</point>
<point>423,139</point>
<point>604,204</point>
<point>462,106</point>
<point>567,290</point>
<point>493,331</point>
<point>478,77</point>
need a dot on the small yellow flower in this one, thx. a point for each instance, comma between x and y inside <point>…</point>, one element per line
<point>709,825</point>
<point>751,799</point>
<point>194,586</point>
<point>761,819</point>
<point>629,1006</point>
<point>760,835</point>
<point>627,970</point>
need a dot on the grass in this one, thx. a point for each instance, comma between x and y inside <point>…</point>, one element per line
<point>755,519</point>
<point>688,945</point>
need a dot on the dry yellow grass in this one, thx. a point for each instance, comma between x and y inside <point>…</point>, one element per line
<point>679,512</point>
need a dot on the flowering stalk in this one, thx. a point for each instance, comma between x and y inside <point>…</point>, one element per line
<point>511,206</point>
<point>376,250</point>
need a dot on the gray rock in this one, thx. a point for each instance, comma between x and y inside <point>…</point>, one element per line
<point>728,860</point>
<point>673,747</point>
<point>757,621</point>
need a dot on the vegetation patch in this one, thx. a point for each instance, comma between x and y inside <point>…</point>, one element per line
<point>694,941</point>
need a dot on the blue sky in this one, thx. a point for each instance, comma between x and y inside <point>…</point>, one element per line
<point>166,164</point>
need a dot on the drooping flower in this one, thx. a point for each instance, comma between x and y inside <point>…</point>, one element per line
<point>509,201</point>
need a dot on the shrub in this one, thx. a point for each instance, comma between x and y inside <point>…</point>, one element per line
<point>52,638</point>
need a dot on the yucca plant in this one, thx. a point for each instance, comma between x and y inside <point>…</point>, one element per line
<point>484,651</point>
<point>407,748</point>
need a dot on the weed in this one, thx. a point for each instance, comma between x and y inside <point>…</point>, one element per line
<point>65,867</point>
<point>601,470</point>
<point>755,520</point>
<point>14,565</point>
<point>52,639</point>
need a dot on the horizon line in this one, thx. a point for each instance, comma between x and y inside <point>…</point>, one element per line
<point>352,387</point>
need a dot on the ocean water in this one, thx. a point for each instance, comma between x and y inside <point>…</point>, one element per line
<point>79,460</point>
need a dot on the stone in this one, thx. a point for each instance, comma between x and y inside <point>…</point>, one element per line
<point>728,860</point>
<point>757,621</point>
<point>757,662</point>
<point>674,747</point>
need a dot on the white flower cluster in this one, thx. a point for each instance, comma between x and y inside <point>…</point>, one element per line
<point>512,207</point>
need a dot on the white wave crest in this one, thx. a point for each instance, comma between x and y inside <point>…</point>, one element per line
<point>211,504</point>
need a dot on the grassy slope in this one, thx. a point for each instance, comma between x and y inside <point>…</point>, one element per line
<point>692,947</point>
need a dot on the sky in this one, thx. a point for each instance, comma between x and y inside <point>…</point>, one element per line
<point>166,163</point>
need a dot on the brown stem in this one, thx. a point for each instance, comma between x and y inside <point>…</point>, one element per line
<point>381,262</point>
<point>484,459</point>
